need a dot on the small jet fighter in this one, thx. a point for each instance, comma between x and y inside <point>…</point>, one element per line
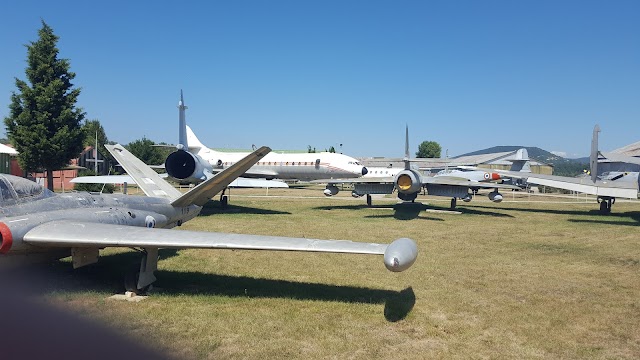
<point>409,183</point>
<point>606,187</point>
<point>36,224</point>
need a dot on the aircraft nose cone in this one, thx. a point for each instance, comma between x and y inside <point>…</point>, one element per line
<point>364,171</point>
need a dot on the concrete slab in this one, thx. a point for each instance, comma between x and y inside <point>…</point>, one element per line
<point>128,296</point>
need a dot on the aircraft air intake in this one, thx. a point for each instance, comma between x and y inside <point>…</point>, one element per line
<point>6,239</point>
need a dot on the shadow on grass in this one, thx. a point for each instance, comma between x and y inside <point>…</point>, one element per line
<point>398,304</point>
<point>606,222</point>
<point>213,208</point>
<point>409,210</point>
<point>108,274</point>
<point>354,207</point>
<point>472,211</point>
<point>633,215</point>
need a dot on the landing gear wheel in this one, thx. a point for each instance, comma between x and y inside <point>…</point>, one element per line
<point>131,281</point>
<point>453,203</point>
<point>369,200</point>
<point>605,206</point>
<point>224,201</point>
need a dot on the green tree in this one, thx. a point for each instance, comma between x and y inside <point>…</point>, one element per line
<point>145,150</point>
<point>332,149</point>
<point>429,149</point>
<point>310,149</point>
<point>44,125</point>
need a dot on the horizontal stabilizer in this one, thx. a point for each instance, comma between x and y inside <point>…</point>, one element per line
<point>147,179</point>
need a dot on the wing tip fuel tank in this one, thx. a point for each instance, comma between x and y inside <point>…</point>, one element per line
<point>400,255</point>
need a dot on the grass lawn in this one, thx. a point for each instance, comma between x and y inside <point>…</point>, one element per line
<point>539,277</point>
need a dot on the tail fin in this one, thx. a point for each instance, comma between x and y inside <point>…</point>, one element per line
<point>182,124</point>
<point>520,161</point>
<point>186,138</point>
<point>205,191</point>
<point>194,143</point>
<point>407,162</point>
<point>593,159</point>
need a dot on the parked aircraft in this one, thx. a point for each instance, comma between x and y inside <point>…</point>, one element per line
<point>194,161</point>
<point>38,224</point>
<point>607,187</point>
<point>409,182</point>
<point>184,168</point>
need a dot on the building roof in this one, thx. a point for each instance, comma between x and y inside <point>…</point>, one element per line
<point>4,149</point>
<point>629,150</point>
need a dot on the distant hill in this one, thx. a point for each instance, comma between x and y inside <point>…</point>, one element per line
<point>561,166</point>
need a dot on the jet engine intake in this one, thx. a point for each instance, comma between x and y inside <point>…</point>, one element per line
<point>6,239</point>
<point>183,165</point>
<point>408,182</point>
<point>331,190</point>
<point>495,196</point>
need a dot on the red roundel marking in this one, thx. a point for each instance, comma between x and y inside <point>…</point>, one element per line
<point>7,239</point>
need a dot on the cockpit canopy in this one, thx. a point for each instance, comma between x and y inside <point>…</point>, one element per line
<point>14,189</point>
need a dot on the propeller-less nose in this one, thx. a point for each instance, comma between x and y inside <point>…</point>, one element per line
<point>364,171</point>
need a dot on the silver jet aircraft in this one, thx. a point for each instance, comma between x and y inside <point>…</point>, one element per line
<point>606,187</point>
<point>409,183</point>
<point>36,224</point>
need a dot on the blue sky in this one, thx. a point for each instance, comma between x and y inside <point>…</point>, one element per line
<point>287,74</point>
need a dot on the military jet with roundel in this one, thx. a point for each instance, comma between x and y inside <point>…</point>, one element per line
<point>409,182</point>
<point>37,224</point>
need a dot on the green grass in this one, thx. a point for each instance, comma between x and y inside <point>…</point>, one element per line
<point>543,279</point>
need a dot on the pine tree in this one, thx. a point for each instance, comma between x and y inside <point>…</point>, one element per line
<point>44,124</point>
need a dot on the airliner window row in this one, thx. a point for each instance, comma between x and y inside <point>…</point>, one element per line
<point>272,163</point>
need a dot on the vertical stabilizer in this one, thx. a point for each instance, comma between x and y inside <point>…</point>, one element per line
<point>182,131</point>
<point>407,163</point>
<point>520,161</point>
<point>593,158</point>
<point>193,141</point>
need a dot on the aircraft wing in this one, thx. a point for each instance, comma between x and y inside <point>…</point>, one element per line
<point>103,179</point>
<point>257,183</point>
<point>399,255</point>
<point>121,179</point>
<point>362,180</point>
<point>580,184</point>
<point>455,181</point>
<point>621,158</point>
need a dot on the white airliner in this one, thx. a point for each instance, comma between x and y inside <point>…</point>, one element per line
<point>187,165</point>
<point>301,166</point>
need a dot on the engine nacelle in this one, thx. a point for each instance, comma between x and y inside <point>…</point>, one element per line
<point>185,166</point>
<point>408,182</point>
<point>495,196</point>
<point>218,164</point>
<point>331,190</point>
